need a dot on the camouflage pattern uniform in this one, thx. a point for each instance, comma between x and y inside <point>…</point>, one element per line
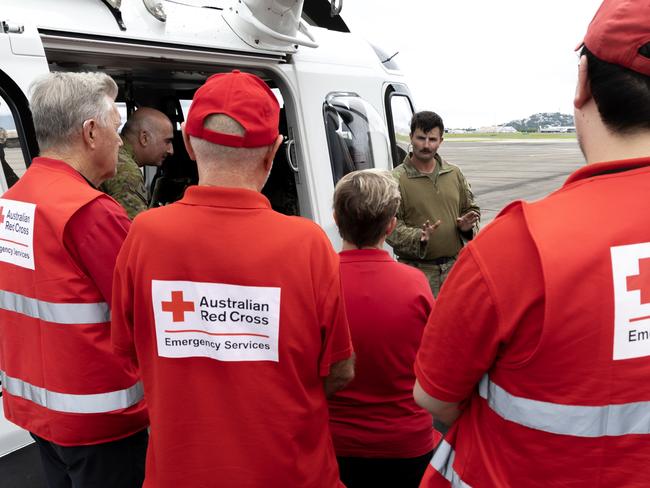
<point>127,186</point>
<point>441,195</point>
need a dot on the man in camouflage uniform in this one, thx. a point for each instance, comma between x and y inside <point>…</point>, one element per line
<point>147,137</point>
<point>437,213</point>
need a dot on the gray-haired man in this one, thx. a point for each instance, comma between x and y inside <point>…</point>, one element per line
<point>82,404</point>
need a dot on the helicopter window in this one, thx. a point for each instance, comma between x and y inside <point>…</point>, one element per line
<point>122,109</point>
<point>401,112</point>
<point>185,108</point>
<point>356,136</point>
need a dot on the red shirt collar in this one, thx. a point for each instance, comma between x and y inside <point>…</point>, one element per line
<point>220,196</point>
<point>356,255</point>
<point>60,166</point>
<point>597,169</point>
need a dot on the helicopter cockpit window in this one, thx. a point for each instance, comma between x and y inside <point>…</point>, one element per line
<point>356,136</point>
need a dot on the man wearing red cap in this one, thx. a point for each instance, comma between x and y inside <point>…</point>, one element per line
<point>238,331</point>
<point>538,353</point>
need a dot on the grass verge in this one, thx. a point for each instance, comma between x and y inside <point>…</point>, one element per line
<point>506,135</point>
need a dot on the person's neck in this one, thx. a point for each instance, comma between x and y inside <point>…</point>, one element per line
<point>349,246</point>
<point>225,183</point>
<point>228,180</point>
<point>75,161</point>
<point>599,144</point>
<point>424,166</point>
<point>613,147</point>
<point>232,175</point>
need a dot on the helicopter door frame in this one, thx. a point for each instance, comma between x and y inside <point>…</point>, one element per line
<point>395,90</point>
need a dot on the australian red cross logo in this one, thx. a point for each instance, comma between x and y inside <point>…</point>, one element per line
<point>178,306</point>
<point>2,216</point>
<point>641,281</point>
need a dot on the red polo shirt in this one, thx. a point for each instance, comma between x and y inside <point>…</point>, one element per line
<point>234,351</point>
<point>388,304</point>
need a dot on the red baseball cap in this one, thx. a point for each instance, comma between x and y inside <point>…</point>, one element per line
<point>243,97</point>
<point>617,32</point>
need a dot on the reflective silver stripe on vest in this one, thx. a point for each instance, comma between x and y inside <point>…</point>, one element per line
<point>575,420</point>
<point>59,313</point>
<point>443,462</point>
<point>68,403</point>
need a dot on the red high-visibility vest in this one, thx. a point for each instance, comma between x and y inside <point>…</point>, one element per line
<point>60,378</point>
<point>577,412</point>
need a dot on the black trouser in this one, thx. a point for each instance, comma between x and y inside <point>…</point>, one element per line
<point>117,464</point>
<point>357,472</point>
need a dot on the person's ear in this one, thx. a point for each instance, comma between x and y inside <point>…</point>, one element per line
<point>270,154</point>
<point>143,138</point>
<point>583,87</point>
<point>89,132</point>
<point>391,226</point>
<point>336,219</point>
<point>188,143</point>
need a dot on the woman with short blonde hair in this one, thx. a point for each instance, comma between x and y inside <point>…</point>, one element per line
<point>381,437</point>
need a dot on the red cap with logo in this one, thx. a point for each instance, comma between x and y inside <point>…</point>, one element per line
<point>243,97</point>
<point>618,31</point>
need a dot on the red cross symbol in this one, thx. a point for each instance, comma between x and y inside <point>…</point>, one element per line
<point>178,306</point>
<point>641,281</point>
<point>2,216</point>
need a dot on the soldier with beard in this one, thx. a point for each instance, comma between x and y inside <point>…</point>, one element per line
<point>437,214</point>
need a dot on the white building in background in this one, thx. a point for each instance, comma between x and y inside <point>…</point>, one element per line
<point>558,129</point>
<point>498,129</point>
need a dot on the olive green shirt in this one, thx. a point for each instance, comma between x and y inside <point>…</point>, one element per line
<point>127,186</point>
<point>441,195</point>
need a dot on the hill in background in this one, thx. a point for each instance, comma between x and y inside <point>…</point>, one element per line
<point>537,121</point>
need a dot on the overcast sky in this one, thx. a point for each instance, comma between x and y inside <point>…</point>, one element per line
<point>480,62</point>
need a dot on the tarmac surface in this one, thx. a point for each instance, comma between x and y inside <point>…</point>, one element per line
<point>22,469</point>
<point>503,171</point>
